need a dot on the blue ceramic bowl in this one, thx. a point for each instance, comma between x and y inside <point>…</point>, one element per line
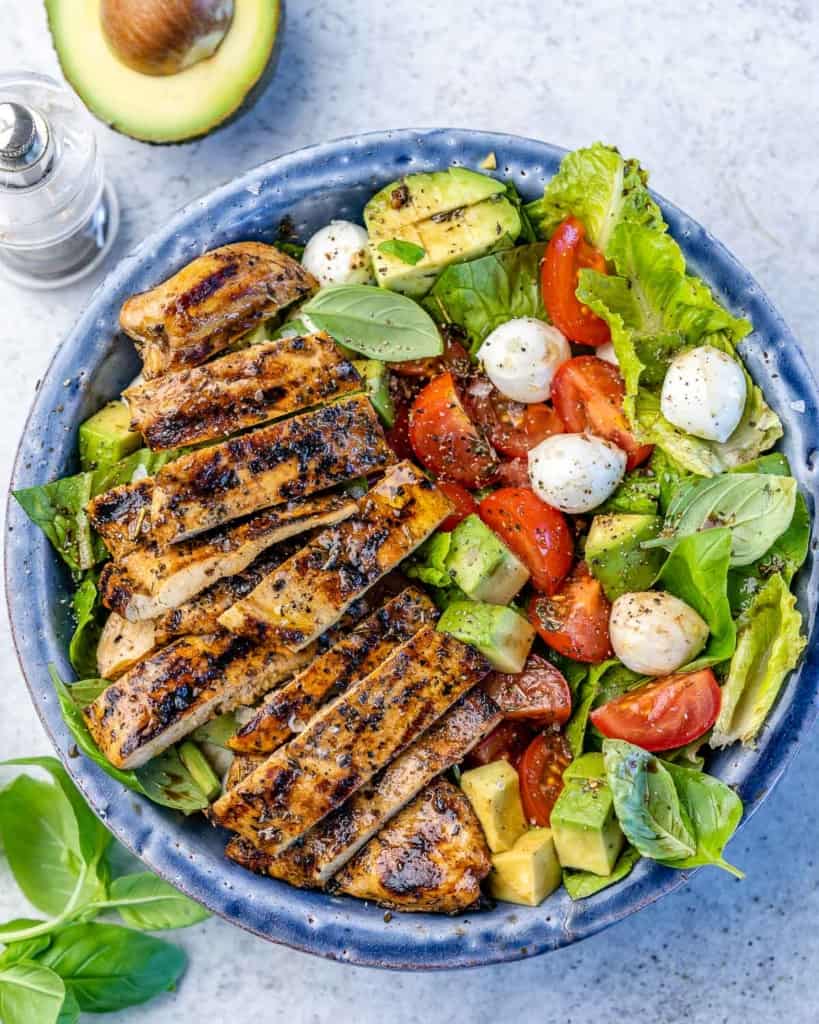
<point>311,187</point>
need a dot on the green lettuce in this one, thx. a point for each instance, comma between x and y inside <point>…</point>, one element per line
<point>482,294</point>
<point>429,562</point>
<point>90,617</point>
<point>602,189</point>
<point>638,494</point>
<point>696,572</point>
<point>58,508</point>
<point>582,884</point>
<point>603,683</point>
<point>769,645</point>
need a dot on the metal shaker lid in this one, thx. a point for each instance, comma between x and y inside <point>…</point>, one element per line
<point>26,150</point>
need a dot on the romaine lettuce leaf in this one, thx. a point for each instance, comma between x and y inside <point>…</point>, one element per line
<point>429,562</point>
<point>602,189</point>
<point>696,572</point>
<point>769,645</point>
<point>482,294</point>
<point>603,683</point>
<point>638,494</point>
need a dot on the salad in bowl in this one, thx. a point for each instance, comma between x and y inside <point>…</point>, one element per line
<point>432,558</point>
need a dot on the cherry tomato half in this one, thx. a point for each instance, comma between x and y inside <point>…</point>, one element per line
<point>568,252</point>
<point>663,714</point>
<point>398,434</point>
<point>575,620</point>
<point>539,692</point>
<point>444,438</point>
<point>463,501</point>
<point>588,395</point>
<point>541,776</point>
<point>506,742</point>
<point>537,533</point>
<point>512,427</point>
<point>512,473</point>
<point>454,358</point>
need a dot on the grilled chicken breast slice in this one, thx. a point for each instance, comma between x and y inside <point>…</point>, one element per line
<point>349,740</point>
<point>122,515</point>
<point>432,857</point>
<point>269,466</point>
<point>290,707</point>
<point>240,767</point>
<point>172,692</point>
<point>210,302</point>
<point>315,858</point>
<point>243,389</point>
<point>311,590</point>
<point>122,644</point>
<point>148,581</point>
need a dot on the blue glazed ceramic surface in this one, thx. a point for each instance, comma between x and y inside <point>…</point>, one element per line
<point>312,186</point>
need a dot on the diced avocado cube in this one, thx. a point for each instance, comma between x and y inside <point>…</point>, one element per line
<point>587,766</point>
<point>106,437</point>
<point>502,635</point>
<point>527,873</point>
<point>482,565</point>
<point>453,215</point>
<point>586,833</point>
<point>494,792</point>
<point>197,764</point>
<point>376,379</point>
<point>615,557</point>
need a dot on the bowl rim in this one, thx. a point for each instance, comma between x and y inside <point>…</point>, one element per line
<point>332,934</point>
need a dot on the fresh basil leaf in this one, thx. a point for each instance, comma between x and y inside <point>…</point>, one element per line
<point>82,737</point>
<point>646,803</point>
<point>90,617</point>
<point>482,294</point>
<point>582,884</point>
<point>714,811</point>
<point>769,646</point>
<point>109,968</point>
<point>25,949</point>
<point>407,252</point>
<point>42,842</point>
<point>166,781</point>
<point>527,228</point>
<point>30,993</point>
<point>756,507</point>
<point>70,1010</point>
<point>147,902</point>
<point>376,322</point>
<point>696,572</point>
<point>85,691</point>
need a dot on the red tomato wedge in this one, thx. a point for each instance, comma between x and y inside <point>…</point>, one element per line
<point>588,393</point>
<point>398,434</point>
<point>541,776</point>
<point>537,533</point>
<point>444,438</point>
<point>455,358</point>
<point>663,714</point>
<point>567,254</point>
<point>513,473</point>
<point>463,501</point>
<point>539,692</point>
<point>506,742</point>
<point>512,427</point>
<point>575,620</point>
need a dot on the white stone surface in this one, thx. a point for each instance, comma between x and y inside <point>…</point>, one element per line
<point>719,100</point>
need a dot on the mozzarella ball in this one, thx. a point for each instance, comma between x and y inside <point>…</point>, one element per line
<point>704,393</point>
<point>338,254</point>
<point>655,633</point>
<point>520,358</point>
<point>607,354</point>
<point>575,472</point>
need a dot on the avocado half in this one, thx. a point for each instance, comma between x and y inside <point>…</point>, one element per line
<point>167,108</point>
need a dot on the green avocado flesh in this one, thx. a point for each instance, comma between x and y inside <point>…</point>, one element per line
<point>163,108</point>
<point>106,437</point>
<point>614,555</point>
<point>452,216</point>
<point>501,635</point>
<point>584,828</point>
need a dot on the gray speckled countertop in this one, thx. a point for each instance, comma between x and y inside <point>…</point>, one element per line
<point>719,99</point>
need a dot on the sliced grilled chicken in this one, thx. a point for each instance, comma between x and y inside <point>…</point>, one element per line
<point>311,590</point>
<point>269,466</point>
<point>242,389</point>
<point>172,692</point>
<point>147,582</point>
<point>349,740</point>
<point>122,516</point>
<point>289,708</point>
<point>432,857</point>
<point>122,644</point>
<point>315,858</point>
<point>210,302</point>
<point>240,767</point>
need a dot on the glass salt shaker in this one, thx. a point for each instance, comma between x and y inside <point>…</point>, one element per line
<point>58,215</point>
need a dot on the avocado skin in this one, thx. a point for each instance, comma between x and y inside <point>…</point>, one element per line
<point>249,100</point>
<point>614,555</point>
